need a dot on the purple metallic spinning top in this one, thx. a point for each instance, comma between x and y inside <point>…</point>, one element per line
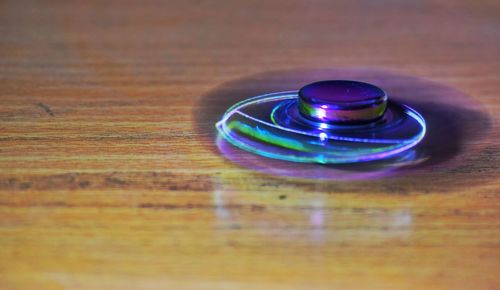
<point>335,121</point>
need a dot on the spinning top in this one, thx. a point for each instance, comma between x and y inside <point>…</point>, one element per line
<point>336,121</point>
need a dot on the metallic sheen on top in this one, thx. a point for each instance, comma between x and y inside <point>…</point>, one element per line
<point>342,101</point>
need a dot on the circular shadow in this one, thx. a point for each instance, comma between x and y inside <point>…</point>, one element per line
<point>455,122</point>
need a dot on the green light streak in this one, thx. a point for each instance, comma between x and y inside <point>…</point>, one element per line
<point>267,136</point>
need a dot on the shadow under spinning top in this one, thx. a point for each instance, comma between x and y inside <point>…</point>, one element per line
<point>454,124</point>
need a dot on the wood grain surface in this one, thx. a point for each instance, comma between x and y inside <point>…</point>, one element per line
<point>111,176</point>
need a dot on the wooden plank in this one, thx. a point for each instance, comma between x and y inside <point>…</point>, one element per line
<point>111,178</point>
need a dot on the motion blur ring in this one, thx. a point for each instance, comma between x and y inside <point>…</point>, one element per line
<point>325,122</point>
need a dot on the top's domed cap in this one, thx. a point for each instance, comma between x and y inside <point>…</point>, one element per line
<point>342,101</point>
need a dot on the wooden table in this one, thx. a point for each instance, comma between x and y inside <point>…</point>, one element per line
<point>111,176</point>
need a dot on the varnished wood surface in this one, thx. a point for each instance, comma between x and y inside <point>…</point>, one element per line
<point>110,177</point>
